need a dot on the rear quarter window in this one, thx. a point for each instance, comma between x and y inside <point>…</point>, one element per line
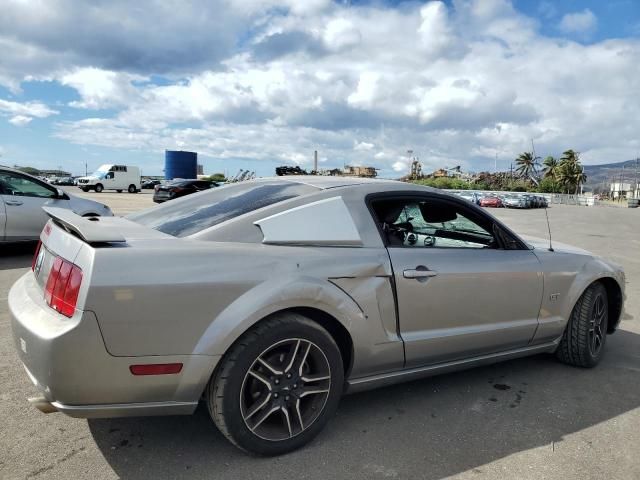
<point>195,213</point>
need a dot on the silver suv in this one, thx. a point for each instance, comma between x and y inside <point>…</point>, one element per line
<point>22,197</point>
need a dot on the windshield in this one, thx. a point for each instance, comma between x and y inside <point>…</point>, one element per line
<point>101,172</point>
<point>197,212</point>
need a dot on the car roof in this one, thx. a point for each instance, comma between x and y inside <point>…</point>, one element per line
<point>324,182</point>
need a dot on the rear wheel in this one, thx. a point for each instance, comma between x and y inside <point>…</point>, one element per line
<point>278,385</point>
<point>99,188</point>
<point>583,341</point>
<point>132,189</point>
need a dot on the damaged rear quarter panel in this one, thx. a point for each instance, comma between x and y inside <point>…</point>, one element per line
<point>206,296</point>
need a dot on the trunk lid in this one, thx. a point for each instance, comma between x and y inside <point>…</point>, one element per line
<point>75,239</point>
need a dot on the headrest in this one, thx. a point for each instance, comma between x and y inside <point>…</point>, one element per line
<point>436,212</point>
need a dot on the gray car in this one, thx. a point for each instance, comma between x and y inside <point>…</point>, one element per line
<point>269,299</point>
<point>22,197</point>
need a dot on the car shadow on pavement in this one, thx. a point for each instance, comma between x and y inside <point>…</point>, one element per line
<point>430,428</point>
<point>16,255</point>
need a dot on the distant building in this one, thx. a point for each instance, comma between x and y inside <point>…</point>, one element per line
<point>54,173</point>
<point>357,171</point>
<point>618,189</point>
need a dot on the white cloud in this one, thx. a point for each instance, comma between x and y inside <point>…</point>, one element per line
<point>579,22</point>
<point>401,166</point>
<point>101,88</point>
<point>20,114</point>
<point>340,34</point>
<point>20,120</point>
<point>363,146</point>
<point>458,85</point>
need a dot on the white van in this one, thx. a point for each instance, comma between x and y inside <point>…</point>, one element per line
<point>112,177</point>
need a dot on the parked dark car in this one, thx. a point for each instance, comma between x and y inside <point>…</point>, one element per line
<point>150,184</point>
<point>180,188</point>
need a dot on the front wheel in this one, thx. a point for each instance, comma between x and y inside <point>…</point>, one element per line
<point>278,385</point>
<point>99,188</point>
<point>583,341</point>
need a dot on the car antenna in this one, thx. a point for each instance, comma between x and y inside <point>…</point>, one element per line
<point>549,228</point>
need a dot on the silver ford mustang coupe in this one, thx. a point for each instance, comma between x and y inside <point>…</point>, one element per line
<point>271,298</point>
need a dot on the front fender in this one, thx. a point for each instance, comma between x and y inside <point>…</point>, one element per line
<point>594,270</point>
<point>563,286</point>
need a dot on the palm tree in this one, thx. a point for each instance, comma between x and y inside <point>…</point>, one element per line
<point>527,163</point>
<point>551,166</point>
<point>570,172</point>
<point>570,156</point>
<point>579,177</point>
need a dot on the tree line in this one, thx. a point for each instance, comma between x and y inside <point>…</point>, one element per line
<point>553,175</point>
<point>563,175</point>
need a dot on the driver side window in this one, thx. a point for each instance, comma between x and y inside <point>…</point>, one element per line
<point>430,223</point>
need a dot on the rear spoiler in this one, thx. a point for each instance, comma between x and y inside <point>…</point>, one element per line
<point>87,228</point>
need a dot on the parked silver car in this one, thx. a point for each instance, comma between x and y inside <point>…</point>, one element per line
<point>22,197</point>
<point>514,201</point>
<point>269,299</point>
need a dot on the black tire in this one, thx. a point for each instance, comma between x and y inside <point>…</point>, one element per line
<point>84,189</point>
<point>99,188</point>
<point>585,336</point>
<point>132,189</point>
<point>228,391</point>
<point>119,191</point>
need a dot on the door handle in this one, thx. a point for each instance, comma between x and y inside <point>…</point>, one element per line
<point>13,202</point>
<point>419,273</point>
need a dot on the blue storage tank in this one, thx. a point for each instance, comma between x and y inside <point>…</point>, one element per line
<point>179,164</point>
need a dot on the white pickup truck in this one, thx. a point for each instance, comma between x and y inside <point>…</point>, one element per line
<point>112,177</point>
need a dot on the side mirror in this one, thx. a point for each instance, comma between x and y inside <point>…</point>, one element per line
<point>60,194</point>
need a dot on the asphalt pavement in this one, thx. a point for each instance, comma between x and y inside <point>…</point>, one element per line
<point>527,419</point>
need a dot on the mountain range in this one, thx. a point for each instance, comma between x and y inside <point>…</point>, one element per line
<point>606,173</point>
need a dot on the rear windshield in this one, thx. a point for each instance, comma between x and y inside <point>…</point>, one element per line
<point>197,212</point>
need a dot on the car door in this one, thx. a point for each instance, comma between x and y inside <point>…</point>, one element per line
<point>461,290</point>
<point>109,181</point>
<point>23,198</point>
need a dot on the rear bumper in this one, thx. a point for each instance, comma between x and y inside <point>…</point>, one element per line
<point>67,361</point>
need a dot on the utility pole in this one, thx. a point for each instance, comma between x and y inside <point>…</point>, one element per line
<point>635,190</point>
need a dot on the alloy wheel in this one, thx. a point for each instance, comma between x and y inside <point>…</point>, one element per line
<point>597,325</point>
<point>285,389</point>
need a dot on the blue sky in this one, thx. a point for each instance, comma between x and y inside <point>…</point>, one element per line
<point>254,84</point>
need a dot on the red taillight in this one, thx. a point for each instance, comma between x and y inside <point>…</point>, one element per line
<point>156,369</point>
<point>35,256</point>
<point>63,285</point>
